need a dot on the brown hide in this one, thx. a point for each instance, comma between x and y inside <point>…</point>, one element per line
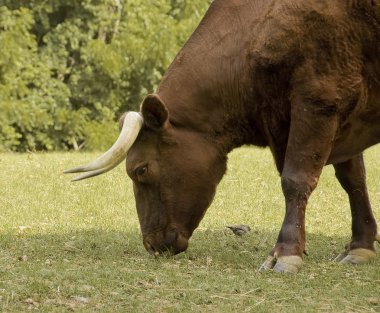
<point>257,72</point>
<point>299,76</point>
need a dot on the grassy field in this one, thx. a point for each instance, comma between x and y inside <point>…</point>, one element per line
<point>77,246</point>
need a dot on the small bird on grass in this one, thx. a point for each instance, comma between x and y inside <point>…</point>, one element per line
<point>240,229</point>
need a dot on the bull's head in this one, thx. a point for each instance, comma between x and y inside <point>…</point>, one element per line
<point>174,170</point>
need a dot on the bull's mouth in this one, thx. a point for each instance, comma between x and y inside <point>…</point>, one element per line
<point>169,243</point>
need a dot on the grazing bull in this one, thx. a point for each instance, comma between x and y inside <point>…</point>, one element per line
<point>299,76</point>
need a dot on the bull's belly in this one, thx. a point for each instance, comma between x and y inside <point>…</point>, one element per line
<point>354,139</point>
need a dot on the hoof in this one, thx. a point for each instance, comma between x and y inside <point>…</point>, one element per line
<point>340,257</point>
<point>268,264</point>
<point>288,264</point>
<point>356,256</point>
<point>284,264</point>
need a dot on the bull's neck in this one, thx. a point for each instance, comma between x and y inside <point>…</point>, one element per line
<point>207,88</point>
<point>214,106</point>
<point>211,100</point>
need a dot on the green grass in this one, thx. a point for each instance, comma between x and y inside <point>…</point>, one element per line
<point>77,246</point>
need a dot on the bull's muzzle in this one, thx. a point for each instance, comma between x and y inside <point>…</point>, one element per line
<point>169,242</point>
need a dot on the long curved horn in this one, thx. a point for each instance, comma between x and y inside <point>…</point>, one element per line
<point>133,122</point>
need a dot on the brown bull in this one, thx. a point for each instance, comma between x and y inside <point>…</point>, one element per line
<point>299,76</point>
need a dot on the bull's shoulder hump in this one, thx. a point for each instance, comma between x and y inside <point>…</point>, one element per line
<point>292,27</point>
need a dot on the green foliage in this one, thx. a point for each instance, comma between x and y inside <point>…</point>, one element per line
<point>69,68</point>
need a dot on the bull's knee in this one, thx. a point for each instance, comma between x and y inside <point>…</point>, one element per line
<point>296,187</point>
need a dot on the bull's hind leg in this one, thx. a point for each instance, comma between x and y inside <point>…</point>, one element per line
<point>312,129</point>
<point>351,175</point>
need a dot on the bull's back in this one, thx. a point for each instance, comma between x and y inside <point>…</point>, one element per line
<point>263,50</point>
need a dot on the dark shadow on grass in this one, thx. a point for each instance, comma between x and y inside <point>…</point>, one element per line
<point>93,246</point>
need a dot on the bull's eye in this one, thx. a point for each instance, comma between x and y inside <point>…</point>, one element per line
<point>141,171</point>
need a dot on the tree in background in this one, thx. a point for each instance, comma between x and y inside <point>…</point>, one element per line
<point>68,68</point>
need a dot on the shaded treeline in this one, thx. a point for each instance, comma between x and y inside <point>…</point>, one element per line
<point>68,68</point>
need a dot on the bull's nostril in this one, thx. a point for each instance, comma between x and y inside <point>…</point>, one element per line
<point>171,237</point>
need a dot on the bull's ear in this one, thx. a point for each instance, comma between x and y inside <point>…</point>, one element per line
<point>154,112</point>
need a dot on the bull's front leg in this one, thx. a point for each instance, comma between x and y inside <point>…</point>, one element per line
<point>310,140</point>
